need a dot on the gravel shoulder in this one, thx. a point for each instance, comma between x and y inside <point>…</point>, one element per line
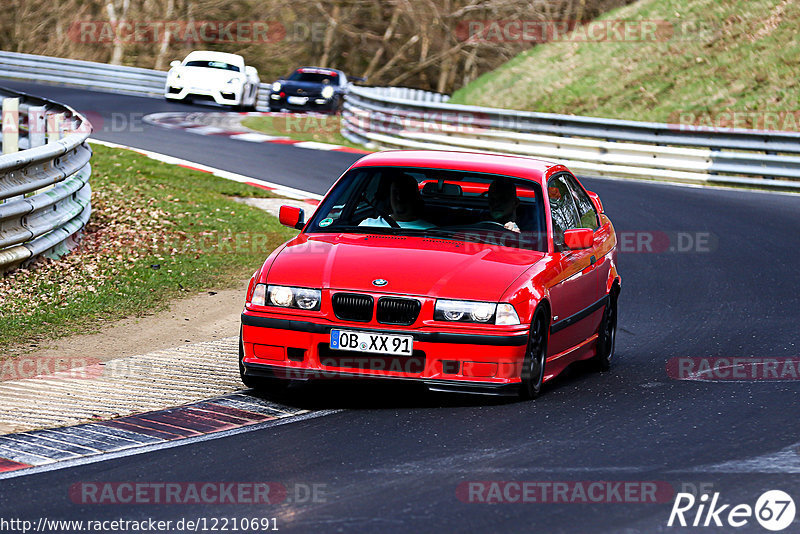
<point>204,316</point>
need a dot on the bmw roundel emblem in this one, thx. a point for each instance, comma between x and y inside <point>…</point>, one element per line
<point>380,282</point>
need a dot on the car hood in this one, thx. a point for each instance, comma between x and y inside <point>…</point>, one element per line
<point>411,265</point>
<point>201,76</point>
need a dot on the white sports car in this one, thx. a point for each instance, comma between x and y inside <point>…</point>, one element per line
<point>217,76</point>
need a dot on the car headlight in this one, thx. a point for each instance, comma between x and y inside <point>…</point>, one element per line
<point>475,312</point>
<point>276,86</point>
<point>287,297</point>
<point>327,92</point>
<point>464,311</point>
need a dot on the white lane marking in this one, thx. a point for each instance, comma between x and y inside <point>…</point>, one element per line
<point>280,189</point>
<point>254,137</point>
<point>102,457</point>
<point>205,130</point>
<point>317,146</point>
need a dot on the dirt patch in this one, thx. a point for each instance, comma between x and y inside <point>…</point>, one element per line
<point>204,316</point>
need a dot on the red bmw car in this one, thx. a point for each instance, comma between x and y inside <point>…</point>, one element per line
<point>466,272</point>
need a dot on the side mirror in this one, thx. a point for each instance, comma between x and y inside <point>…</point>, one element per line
<point>595,198</point>
<point>292,217</point>
<point>175,63</point>
<point>251,71</point>
<point>579,238</point>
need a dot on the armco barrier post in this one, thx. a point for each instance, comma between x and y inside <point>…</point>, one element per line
<point>10,125</point>
<point>36,126</point>
<point>54,122</point>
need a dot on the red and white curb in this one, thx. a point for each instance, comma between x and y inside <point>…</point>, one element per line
<point>184,121</point>
<point>278,189</point>
<point>45,450</point>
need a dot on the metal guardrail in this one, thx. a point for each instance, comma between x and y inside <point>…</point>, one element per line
<point>45,196</point>
<point>391,117</point>
<point>96,76</point>
<point>396,117</point>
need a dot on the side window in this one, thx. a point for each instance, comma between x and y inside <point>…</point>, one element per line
<point>587,216</point>
<point>562,209</point>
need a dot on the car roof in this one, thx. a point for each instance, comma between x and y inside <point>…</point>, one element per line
<point>208,55</point>
<point>518,166</point>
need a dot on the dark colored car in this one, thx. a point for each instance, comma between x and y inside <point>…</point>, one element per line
<point>310,89</point>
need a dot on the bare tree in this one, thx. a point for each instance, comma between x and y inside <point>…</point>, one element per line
<point>419,43</point>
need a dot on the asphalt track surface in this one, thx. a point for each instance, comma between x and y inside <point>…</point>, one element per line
<point>392,459</point>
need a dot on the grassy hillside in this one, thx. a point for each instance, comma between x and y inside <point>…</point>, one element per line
<point>734,55</point>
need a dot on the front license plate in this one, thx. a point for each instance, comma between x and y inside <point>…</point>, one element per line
<point>374,342</point>
<point>297,100</point>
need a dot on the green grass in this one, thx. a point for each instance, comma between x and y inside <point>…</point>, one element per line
<point>732,55</point>
<point>319,128</point>
<point>157,232</point>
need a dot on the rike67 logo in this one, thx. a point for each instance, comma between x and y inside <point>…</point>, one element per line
<point>774,510</point>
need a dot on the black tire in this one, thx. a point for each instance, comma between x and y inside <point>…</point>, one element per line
<point>259,383</point>
<point>535,357</point>
<point>607,334</point>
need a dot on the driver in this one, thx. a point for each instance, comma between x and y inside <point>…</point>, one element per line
<point>406,203</point>
<point>503,203</point>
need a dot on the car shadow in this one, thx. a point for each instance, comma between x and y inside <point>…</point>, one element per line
<point>368,394</point>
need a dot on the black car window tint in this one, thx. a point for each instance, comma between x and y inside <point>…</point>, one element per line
<point>587,216</point>
<point>562,209</point>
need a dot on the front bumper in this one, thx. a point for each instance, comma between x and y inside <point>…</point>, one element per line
<point>298,349</point>
<point>314,103</point>
<point>227,96</point>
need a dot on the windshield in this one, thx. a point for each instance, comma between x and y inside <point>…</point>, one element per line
<point>327,78</point>
<point>212,65</point>
<point>446,204</point>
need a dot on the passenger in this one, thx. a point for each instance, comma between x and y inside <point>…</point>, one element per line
<point>406,203</point>
<point>503,203</point>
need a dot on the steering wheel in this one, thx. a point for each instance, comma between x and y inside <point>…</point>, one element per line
<point>382,212</point>
<point>388,218</point>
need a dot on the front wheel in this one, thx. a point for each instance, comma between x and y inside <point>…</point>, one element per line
<point>607,334</point>
<point>535,358</point>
